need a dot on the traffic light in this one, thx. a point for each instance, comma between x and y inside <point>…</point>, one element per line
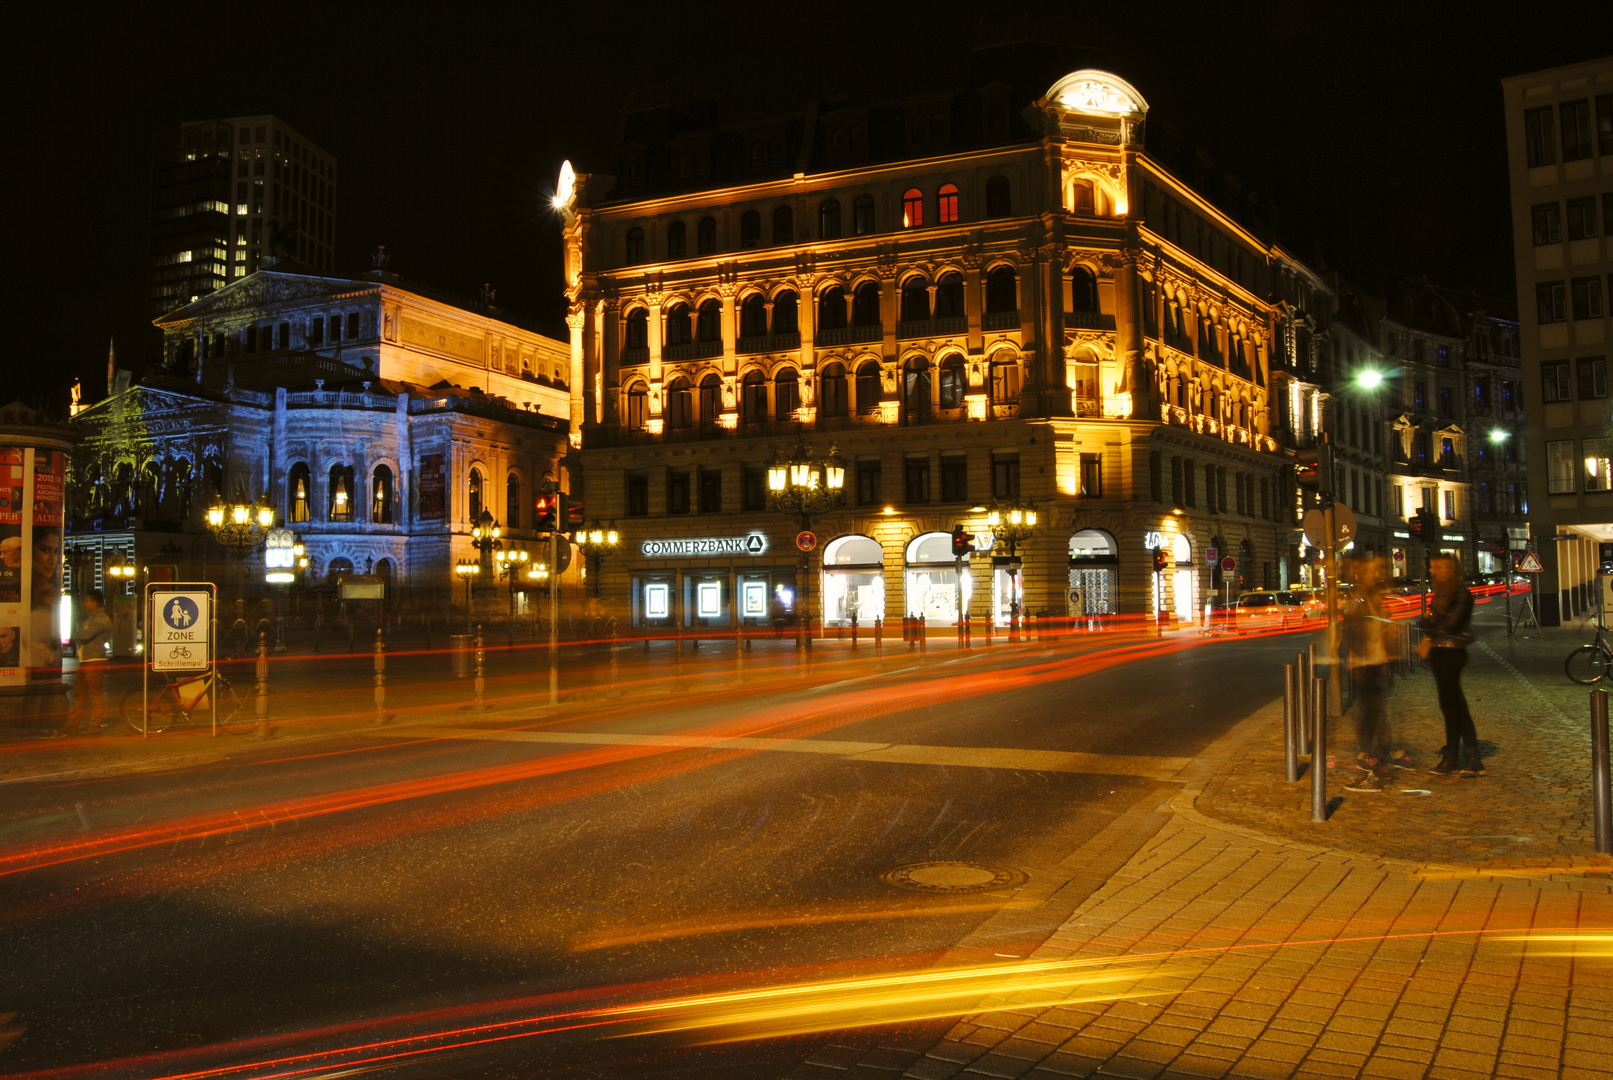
<point>960,542</point>
<point>574,515</point>
<point>543,513</point>
<point>1424,526</point>
<point>1313,469</point>
<point>1498,548</point>
<point>1160,560</point>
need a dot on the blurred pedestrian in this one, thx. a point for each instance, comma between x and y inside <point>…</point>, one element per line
<point>1365,633</point>
<point>1446,630</point>
<point>91,635</point>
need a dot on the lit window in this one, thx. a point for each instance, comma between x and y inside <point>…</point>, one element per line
<point>240,208</point>
<point>912,208</point>
<point>946,210</point>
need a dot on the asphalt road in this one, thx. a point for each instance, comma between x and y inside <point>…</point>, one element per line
<point>369,889</point>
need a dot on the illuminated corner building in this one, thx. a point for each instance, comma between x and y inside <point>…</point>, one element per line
<point>976,297</point>
<point>237,195</point>
<point>1560,162</point>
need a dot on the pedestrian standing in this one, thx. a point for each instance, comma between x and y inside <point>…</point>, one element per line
<point>1365,627</point>
<point>1446,630</point>
<point>93,632</point>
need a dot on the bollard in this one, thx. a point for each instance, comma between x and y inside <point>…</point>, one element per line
<point>924,635</point>
<point>1599,774</point>
<point>1319,751</point>
<point>739,648</point>
<point>854,631</point>
<point>481,680</point>
<point>380,677</point>
<point>677,669</point>
<point>968,631</point>
<point>1302,683</point>
<point>879,639</point>
<point>615,674</point>
<point>262,729</point>
<point>1291,723</point>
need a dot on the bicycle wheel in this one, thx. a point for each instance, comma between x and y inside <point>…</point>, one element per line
<point>163,711</point>
<point>233,715</point>
<point>1587,664</point>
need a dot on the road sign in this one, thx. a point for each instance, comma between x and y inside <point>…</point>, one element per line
<point>1529,564</point>
<point>181,623</point>
<point>1344,528</point>
<point>806,540</point>
<point>1212,556</point>
<point>1229,564</point>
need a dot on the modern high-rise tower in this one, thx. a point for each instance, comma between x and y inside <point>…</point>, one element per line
<point>235,195</point>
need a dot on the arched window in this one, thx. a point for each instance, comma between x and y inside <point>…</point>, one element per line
<point>341,493</point>
<point>832,400</point>
<point>473,492</point>
<point>832,308</point>
<point>916,390</point>
<point>998,201</point>
<point>381,495</point>
<point>786,393</point>
<point>635,246</point>
<point>750,229</point>
<point>753,316</point>
<point>1004,382</point>
<point>1002,294</point>
<point>753,398</point>
<point>946,204</point>
<point>865,305</point>
<point>829,219</point>
<point>912,208</point>
<point>710,327</point>
<point>679,328</point>
<point>915,299</point>
<point>705,236</point>
<point>710,399</point>
<point>949,296</point>
<point>868,390</point>
<point>512,501</point>
<point>299,490</point>
<point>680,403</point>
<point>1081,201</point>
<point>786,316</point>
<point>1083,290</point>
<point>638,406</point>
<point>954,382</point>
<point>862,215</point>
<point>677,240</point>
<point>783,225</point>
<point>638,329</point>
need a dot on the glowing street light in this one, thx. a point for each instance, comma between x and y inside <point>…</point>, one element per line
<point>597,540</point>
<point>1369,379</point>
<point>805,486</point>
<point>1012,523</point>
<point>1499,435</point>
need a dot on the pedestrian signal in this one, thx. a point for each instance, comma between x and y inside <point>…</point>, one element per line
<point>1160,560</point>
<point>543,513</point>
<point>960,542</point>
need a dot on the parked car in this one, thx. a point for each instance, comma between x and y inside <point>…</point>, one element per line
<point>1261,609</point>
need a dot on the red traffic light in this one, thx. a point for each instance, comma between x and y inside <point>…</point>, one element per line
<point>960,542</point>
<point>543,513</point>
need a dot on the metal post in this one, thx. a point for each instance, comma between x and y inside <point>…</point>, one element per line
<point>1599,773</point>
<point>554,597</point>
<point>481,680</point>
<point>1302,702</point>
<point>924,635</point>
<point>1291,723</point>
<point>957,578</point>
<point>262,730</point>
<point>879,639</point>
<point>380,676</point>
<point>854,629</point>
<point>739,646</point>
<point>1312,715</point>
<point>1319,754</point>
<point>615,674</point>
<point>1506,577</point>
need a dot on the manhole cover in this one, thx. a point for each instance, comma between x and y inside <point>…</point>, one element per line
<point>953,877</point>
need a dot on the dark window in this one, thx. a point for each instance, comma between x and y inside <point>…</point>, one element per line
<point>1005,382</point>
<point>870,491</point>
<point>1190,480</point>
<point>638,493</point>
<point>352,326</point>
<point>1582,218</point>
<point>832,391</point>
<point>1576,117</point>
<point>916,389</point>
<point>1540,134</point>
<point>753,400</point>
<point>709,324</point>
<point>1447,452</point>
<point>335,328</point>
<point>949,296</point>
<point>785,313</point>
<point>916,480</point>
<point>1083,290</point>
<point>868,388</point>
<point>862,215</point>
<point>954,478</point>
<point>512,498</point>
<point>710,399</point>
<point>1604,124</point>
<point>1551,301</point>
<point>1445,402</point>
<point>711,491</point>
<point>1554,381</point>
<point>473,495</point>
<point>915,299</point>
<point>677,240</point>
<point>998,200</point>
<point>753,316</point>
<point>1001,290</point>
<point>750,229</point>
<point>679,326</point>
<point>706,236</point>
<point>638,410</point>
<point>832,308</point>
<point>316,331</point>
<point>753,488</point>
<point>1156,481</point>
<point>638,329</point>
<point>1005,476</point>
<point>635,246</point>
<point>677,491</point>
<point>912,208</point>
<point>1592,377</point>
<point>1081,201</point>
<point>954,382</point>
<point>946,204</point>
<point>865,305</point>
<point>1091,476</point>
<point>680,403</point>
<point>783,225</point>
<point>1587,297</point>
<point>786,394</point>
<point>829,219</point>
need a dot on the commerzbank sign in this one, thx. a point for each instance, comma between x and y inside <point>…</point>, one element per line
<point>705,546</point>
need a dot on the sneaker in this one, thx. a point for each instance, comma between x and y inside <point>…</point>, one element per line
<point>1399,759</point>
<point>1366,783</point>
<point>1447,764</point>
<point>1473,765</point>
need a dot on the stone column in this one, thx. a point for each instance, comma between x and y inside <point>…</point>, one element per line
<point>974,302</point>
<point>578,321</point>
<point>730,357</point>
<point>1129,341</point>
<point>656,336</point>
<point>603,389</point>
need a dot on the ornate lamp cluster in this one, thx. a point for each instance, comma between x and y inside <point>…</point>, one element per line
<point>1012,522</point>
<point>241,524</point>
<point>804,485</point>
<point>597,539</point>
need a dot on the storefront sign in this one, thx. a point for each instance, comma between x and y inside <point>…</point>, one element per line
<point>754,544</point>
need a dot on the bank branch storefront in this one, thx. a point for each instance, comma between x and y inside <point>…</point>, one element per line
<point>712,582</point>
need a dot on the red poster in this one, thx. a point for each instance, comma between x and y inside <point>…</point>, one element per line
<point>433,486</point>
<point>11,465</point>
<point>50,475</point>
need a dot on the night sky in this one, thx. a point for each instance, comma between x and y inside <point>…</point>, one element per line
<point>1377,129</point>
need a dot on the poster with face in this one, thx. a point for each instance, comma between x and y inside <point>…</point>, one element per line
<point>10,564</point>
<point>50,477</point>
<point>45,591</point>
<point>10,647</point>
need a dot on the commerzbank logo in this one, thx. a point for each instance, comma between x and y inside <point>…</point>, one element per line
<point>752,544</point>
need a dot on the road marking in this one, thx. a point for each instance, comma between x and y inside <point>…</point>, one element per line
<point>980,757</point>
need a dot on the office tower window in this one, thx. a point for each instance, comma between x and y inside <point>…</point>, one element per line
<point>1540,136</point>
<point>1587,297</point>
<point>1596,452</point>
<point>1560,467</point>
<point>1582,218</point>
<point>1551,301</point>
<point>1592,377</point>
<point>1576,119</point>
<point>1554,381</point>
<point>1604,123</point>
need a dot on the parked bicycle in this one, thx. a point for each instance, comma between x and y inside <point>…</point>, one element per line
<point>1589,663</point>
<point>187,701</point>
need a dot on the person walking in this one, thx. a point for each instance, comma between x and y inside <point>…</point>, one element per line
<point>1446,630</point>
<point>1365,627</point>
<point>93,632</point>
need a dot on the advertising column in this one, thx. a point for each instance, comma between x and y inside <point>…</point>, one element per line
<point>13,572</point>
<point>48,469</point>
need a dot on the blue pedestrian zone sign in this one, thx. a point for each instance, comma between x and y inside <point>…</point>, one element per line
<point>181,623</point>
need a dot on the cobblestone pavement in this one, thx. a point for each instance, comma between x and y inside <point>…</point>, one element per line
<point>1388,942</point>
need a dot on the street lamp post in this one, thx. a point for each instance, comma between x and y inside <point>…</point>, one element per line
<point>467,569</point>
<point>243,526</point>
<point>1012,523</point>
<point>508,563</point>
<point>805,486</point>
<point>597,540</point>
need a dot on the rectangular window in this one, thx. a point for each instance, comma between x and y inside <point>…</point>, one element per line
<point>1554,381</point>
<point>316,331</point>
<point>1596,453</point>
<point>1447,453</point>
<point>1551,301</point>
<point>916,480</point>
<point>1190,481</point>
<point>1419,395</point>
<point>1091,476</point>
<point>1450,504</point>
<point>1587,298</point>
<point>1155,480</point>
<point>753,488</point>
<point>870,490</point>
<point>1176,481</point>
<point>1604,123</point>
<point>1265,499</point>
<point>1592,377</point>
<point>638,493</point>
<point>1005,477</point>
<point>1548,223</point>
<point>1560,467</point>
<point>1576,116</point>
<point>1242,503</point>
<point>1445,402</point>
<point>677,491</point>
<point>711,491</point>
<point>1540,136</point>
<point>1582,218</point>
<point>954,479</point>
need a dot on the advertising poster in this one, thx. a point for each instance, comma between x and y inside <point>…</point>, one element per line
<point>433,487</point>
<point>48,475</point>
<point>16,562</point>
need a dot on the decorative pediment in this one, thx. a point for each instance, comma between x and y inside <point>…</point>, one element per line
<point>1091,92</point>
<point>264,289</point>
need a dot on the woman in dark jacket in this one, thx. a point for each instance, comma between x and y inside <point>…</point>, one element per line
<point>1446,629</point>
